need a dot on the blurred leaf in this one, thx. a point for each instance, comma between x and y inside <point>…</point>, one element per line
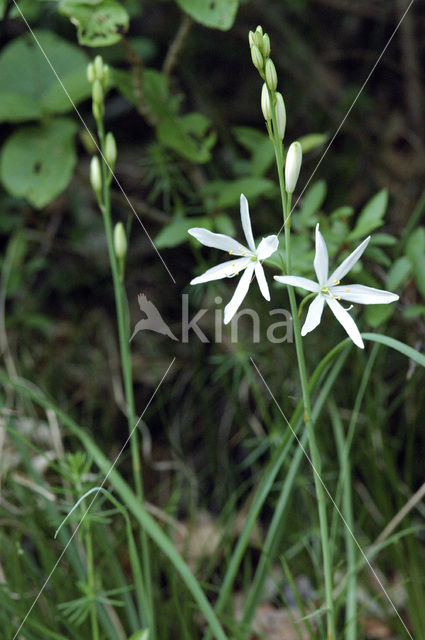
<point>217,14</point>
<point>398,274</point>
<point>259,146</point>
<point>312,141</point>
<point>379,256</point>
<point>99,24</point>
<point>311,203</point>
<point>341,212</point>
<point>228,193</point>
<point>383,239</point>
<point>376,314</point>
<point>37,162</point>
<point>415,250</point>
<point>28,88</point>
<point>413,311</point>
<point>371,216</point>
<point>224,224</point>
<point>185,135</point>
<point>177,231</point>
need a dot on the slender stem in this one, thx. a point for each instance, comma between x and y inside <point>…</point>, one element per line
<point>90,582</point>
<point>124,342</point>
<point>314,451</point>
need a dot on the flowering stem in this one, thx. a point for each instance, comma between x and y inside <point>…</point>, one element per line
<point>124,337</point>
<point>314,451</point>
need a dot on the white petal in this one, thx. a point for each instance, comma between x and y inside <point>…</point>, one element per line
<point>363,295</point>
<point>240,293</point>
<point>314,315</point>
<point>261,279</point>
<point>321,259</point>
<point>246,223</point>
<point>346,320</point>
<point>267,246</point>
<point>218,241</point>
<point>298,281</point>
<point>223,270</point>
<point>348,263</point>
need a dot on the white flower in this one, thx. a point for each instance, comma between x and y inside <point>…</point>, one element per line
<point>246,259</point>
<point>329,290</point>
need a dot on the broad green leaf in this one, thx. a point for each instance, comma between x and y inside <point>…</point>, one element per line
<point>259,146</point>
<point>28,87</point>
<point>341,213</point>
<point>37,162</point>
<point>177,231</point>
<point>415,247</point>
<point>371,216</point>
<point>228,193</point>
<point>99,24</point>
<point>224,224</point>
<point>398,274</point>
<point>217,14</point>
<point>383,240</point>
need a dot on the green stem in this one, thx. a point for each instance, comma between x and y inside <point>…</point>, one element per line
<point>124,342</point>
<point>314,451</point>
<point>91,585</point>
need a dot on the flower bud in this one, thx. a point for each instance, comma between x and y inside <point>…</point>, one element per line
<point>110,150</point>
<point>259,29</point>
<point>120,241</point>
<point>271,75</point>
<point>293,166</point>
<point>90,72</point>
<point>97,92</point>
<point>265,103</point>
<point>257,58</point>
<point>96,175</point>
<point>98,110</point>
<point>280,112</point>
<point>251,38</point>
<point>106,76</point>
<point>265,46</point>
<point>98,67</point>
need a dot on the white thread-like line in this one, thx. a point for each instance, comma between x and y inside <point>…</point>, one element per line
<point>92,501</point>
<point>333,501</point>
<point>93,139</point>
<point>346,115</point>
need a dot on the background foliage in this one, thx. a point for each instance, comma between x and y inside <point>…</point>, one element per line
<point>184,106</point>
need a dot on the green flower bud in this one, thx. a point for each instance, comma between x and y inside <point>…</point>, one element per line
<point>265,103</point>
<point>98,67</point>
<point>97,92</point>
<point>110,150</point>
<point>251,38</point>
<point>259,29</point>
<point>265,46</point>
<point>98,110</point>
<point>293,166</point>
<point>106,76</point>
<point>90,72</point>
<point>271,75</point>
<point>257,58</point>
<point>120,241</point>
<point>280,112</point>
<point>96,175</point>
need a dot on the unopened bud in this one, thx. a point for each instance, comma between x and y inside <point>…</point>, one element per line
<point>257,58</point>
<point>259,29</point>
<point>265,47</point>
<point>106,76</point>
<point>265,103</point>
<point>97,92</point>
<point>280,112</point>
<point>110,150</point>
<point>271,75</point>
<point>95,175</point>
<point>120,241</point>
<point>251,38</point>
<point>293,166</point>
<point>98,67</point>
<point>90,72</point>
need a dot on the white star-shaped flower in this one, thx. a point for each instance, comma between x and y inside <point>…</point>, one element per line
<point>246,259</point>
<point>329,290</point>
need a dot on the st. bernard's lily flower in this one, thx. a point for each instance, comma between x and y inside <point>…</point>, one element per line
<point>329,290</point>
<point>244,259</point>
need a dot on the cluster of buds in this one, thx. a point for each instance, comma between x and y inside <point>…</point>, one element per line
<point>259,43</point>
<point>272,101</point>
<point>98,76</point>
